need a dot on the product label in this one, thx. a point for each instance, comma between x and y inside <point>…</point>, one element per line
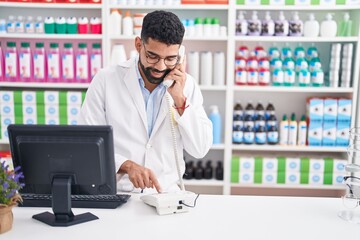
<point>249,137</point>
<point>238,124</point>
<point>10,27</point>
<point>68,66</point>
<point>238,113</point>
<point>81,67</point>
<point>260,137</point>
<point>39,27</point>
<point>240,64</point>
<point>53,65</point>
<point>264,77</point>
<point>10,65</point>
<point>241,77</point>
<point>39,66</point>
<point>237,136</point>
<point>273,137</point>
<point>252,77</point>
<point>95,64</point>
<point>24,65</point>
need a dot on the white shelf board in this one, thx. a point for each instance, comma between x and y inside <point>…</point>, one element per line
<point>293,89</point>
<point>186,38</point>
<point>212,88</point>
<point>278,148</point>
<point>50,5</point>
<point>290,186</point>
<point>44,85</point>
<point>204,182</point>
<point>51,36</point>
<point>176,7</point>
<point>298,8</point>
<point>218,147</point>
<point>294,39</point>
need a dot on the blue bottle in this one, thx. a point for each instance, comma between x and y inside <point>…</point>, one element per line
<point>215,118</point>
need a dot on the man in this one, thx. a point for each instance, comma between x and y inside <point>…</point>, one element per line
<point>132,98</point>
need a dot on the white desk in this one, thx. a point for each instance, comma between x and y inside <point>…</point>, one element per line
<point>215,217</point>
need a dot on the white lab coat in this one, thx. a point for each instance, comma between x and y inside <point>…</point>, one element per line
<point>114,98</point>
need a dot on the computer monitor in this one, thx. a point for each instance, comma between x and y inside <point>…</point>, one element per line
<point>64,160</point>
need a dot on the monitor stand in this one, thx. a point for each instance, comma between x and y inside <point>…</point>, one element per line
<point>61,205</point>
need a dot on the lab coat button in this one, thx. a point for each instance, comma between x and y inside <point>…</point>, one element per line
<point>148,146</point>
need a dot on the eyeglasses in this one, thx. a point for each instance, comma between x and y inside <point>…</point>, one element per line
<point>352,198</point>
<point>169,61</point>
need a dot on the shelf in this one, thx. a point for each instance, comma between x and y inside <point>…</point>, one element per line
<point>212,88</point>
<point>176,7</point>
<point>293,89</point>
<point>298,8</point>
<point>220,38</point>
<point>278,148</point>
<point>50,5</point>
<point>4,141</point>
<point>45,85</point>
<point>212,182</point>
<point>50,36</point>
<point>294,39</point>
<point>218,147</point>
<point>290,186</point>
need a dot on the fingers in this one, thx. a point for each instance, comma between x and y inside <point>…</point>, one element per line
<point>155,182</point>
<point>144,178</point>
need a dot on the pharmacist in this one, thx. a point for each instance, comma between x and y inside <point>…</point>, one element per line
<point>131,97</point>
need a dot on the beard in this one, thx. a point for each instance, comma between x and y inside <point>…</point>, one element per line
<point>149,77</point>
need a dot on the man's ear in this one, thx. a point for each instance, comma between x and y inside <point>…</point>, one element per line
<point>138,44</point>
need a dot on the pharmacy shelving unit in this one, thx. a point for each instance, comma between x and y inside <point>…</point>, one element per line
<point>44,10</point>
<point>288,99</point>
<point>223,96</point>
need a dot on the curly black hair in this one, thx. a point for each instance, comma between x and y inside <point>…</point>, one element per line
<point>162,26</point>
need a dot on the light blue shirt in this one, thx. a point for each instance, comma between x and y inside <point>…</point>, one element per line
<point>152,100</point>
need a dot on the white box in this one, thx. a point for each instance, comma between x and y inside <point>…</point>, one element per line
<point>316,178</point>
<point>52,121</point>
<point>315,134</point>
<point>339,165</point>
<point>51,110</point>
<point>252,2</point>
<point>7,109</point>
<point>327,2</point>
<point>330,110</point>
<point>7,120</point>
<point>269,177</point>
<point>338,179</point>
<point>317,165</point>
<point>316,109</point>
<point>247,164</point>
<point>270,165</point>
<point>292,178</point>
<point>73,121</point>
<point>73,111</point>
<point>344,110</point>
<point>74,98</point>
<point>29,110</point>
<point>302,2</point>
<point>246,177</point>
<point>277,2</point>
<point>7,97</point>
<point>29,97</point>
<point>4,133</point>
<point>51,97</point>
<point>293,164</point>
<point>329,134</point>
<point>29,120</point>
<point>352,2</point>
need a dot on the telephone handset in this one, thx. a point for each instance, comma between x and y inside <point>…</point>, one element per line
<point>168,83</point>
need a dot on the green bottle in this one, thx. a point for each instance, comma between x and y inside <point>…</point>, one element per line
<point>345,28</point>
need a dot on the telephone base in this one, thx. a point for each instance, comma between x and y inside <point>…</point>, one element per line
<point>170,203</point>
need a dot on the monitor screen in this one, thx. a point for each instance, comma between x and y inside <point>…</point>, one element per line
<point>85,153</point>
<point>64,161</point>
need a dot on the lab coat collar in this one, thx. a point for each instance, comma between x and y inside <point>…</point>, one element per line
<point>132,84</point>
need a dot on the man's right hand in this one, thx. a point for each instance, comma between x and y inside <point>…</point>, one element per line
<point>140,176</point>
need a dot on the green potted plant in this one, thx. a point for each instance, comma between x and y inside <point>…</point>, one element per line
<point>9,195</point>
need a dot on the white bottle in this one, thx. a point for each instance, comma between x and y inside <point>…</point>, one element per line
<point>115,22</point>
<point>10,26</point>
<point>268,25</point>
<point>284,131</point>
<point>296,26</point>
<point>254,25</point>
<point>328,27</point>
<point>19,25</point>
<point>39,25</point>
<point>311,27</point>
<point>281,25</point>
<point>128,25</point>
<point>302,132</point>
<point>241,25</point>
<point>293,129</point>
<point>29,25</point>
